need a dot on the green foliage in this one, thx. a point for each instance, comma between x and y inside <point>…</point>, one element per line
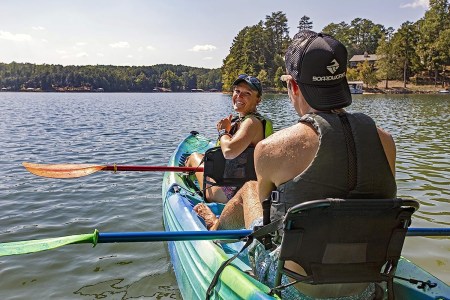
<point>386,60</point>
<point>404,46</point>
<point>433,47</point>
<point>367,74</point>
<point>305,24</point>
<point>258,51</point>
<point>19,76</point>
<point>353,75</point>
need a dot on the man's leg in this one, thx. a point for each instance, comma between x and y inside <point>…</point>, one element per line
<point>238,213</point>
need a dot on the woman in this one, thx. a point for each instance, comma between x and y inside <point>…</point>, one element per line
<point>236,134</point>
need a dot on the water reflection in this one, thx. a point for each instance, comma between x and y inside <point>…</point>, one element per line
<point>153,285</point>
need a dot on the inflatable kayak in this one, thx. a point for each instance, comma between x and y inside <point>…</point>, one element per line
<point>195,262</point>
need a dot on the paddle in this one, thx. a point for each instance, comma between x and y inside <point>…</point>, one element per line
<point>79,170</point>
<point>31,246</point>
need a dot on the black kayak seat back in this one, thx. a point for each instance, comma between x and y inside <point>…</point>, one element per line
<point>219,171</point>
<point>345,241</point>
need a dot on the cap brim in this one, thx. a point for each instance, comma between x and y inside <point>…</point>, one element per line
<point>251,85</point>
<point>239,80</point>
<point>327,97</point>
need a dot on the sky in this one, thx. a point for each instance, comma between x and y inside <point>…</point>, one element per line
<point>197,33</point>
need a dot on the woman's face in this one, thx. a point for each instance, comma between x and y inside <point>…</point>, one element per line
<point>244,99</point>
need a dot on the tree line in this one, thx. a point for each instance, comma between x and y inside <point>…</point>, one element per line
<point>416,50</point>
<point>165,77</point>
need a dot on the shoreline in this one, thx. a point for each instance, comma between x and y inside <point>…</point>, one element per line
<point>394,89</point>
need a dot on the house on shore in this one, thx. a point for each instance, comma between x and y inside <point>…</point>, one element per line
<point>356,59</point>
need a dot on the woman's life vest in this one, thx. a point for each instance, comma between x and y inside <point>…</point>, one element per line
<point>236,122</point>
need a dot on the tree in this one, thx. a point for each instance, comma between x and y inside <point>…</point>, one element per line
<point>342,33</point>
<point>305,24</point>
<point>386,59</point>
<point>431,48</point>
<point>367,74</point>
<point>277,82</point>
<point>365,35</point>
<point>276,24</point>
<point>404,43</point>
<point>141,82</point>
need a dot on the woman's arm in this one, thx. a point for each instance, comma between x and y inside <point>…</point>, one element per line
<point>250,132</point>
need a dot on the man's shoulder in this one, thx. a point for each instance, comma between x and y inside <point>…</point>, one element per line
<point>284,137</point>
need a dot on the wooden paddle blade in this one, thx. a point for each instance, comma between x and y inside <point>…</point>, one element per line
<point>62,170</point>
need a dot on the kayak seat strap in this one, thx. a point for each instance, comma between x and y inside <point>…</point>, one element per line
<point>260,232</point>
<point>222,267</point>
<point>344,241</point>
<point>219,171</point>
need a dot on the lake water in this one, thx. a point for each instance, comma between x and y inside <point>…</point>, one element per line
<point>144,129</point>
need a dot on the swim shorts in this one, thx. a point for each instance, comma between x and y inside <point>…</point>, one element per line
<point>264,265</point>
<point>229,191</point>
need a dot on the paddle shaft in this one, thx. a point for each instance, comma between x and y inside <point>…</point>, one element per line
<point>160,236</point>
<point>31,246</point>
<point>428,232</point>
<point>153,168</point>
<point>125,237</point>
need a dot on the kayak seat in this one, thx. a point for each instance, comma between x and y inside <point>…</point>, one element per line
<point>219,171</point>
<point>345,241</point>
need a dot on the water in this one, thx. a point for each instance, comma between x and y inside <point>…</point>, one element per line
<point>143,129</point>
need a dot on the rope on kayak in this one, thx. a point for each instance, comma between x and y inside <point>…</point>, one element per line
<point>222,267</point>
<point>422,285</point>
<point>259,233</point>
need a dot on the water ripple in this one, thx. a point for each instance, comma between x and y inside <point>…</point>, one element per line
<point>143,129</point>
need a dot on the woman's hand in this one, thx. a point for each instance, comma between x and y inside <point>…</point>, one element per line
<point>225,124</point>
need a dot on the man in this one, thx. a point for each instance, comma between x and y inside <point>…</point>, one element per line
<point>328,154</point>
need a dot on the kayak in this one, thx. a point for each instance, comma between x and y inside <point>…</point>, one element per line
<point>195,262</point>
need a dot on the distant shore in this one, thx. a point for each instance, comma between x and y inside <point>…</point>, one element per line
<point>394,87</point>
<point>397,87</point>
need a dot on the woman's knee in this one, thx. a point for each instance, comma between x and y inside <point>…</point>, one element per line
<point>194,160</point>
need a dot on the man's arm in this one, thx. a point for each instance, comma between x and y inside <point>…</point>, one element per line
<point>389,147</point>
<point>264,169</point>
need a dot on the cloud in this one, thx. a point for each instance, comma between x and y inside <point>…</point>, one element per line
<point>149,47</point>
<point>81,44</point>
<point>120,45</point>
<point>130,56</point>
<point>19,37</point>
<point>416,4</point>
<point>81,54</point>
<point>202,48</point>
<point>207,58</point>
<point>100,54</point>
<point>38,28</point>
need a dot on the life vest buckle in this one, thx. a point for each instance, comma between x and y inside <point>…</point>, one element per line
<point>275,197</point>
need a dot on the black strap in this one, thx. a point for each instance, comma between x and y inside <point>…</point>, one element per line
<point>266,240</point>
<point>222,267</point>
<point>351,151</point>
<point>259,233</point>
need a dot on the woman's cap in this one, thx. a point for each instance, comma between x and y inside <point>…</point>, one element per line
<point>253,82</point>
<point>318,63</point>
